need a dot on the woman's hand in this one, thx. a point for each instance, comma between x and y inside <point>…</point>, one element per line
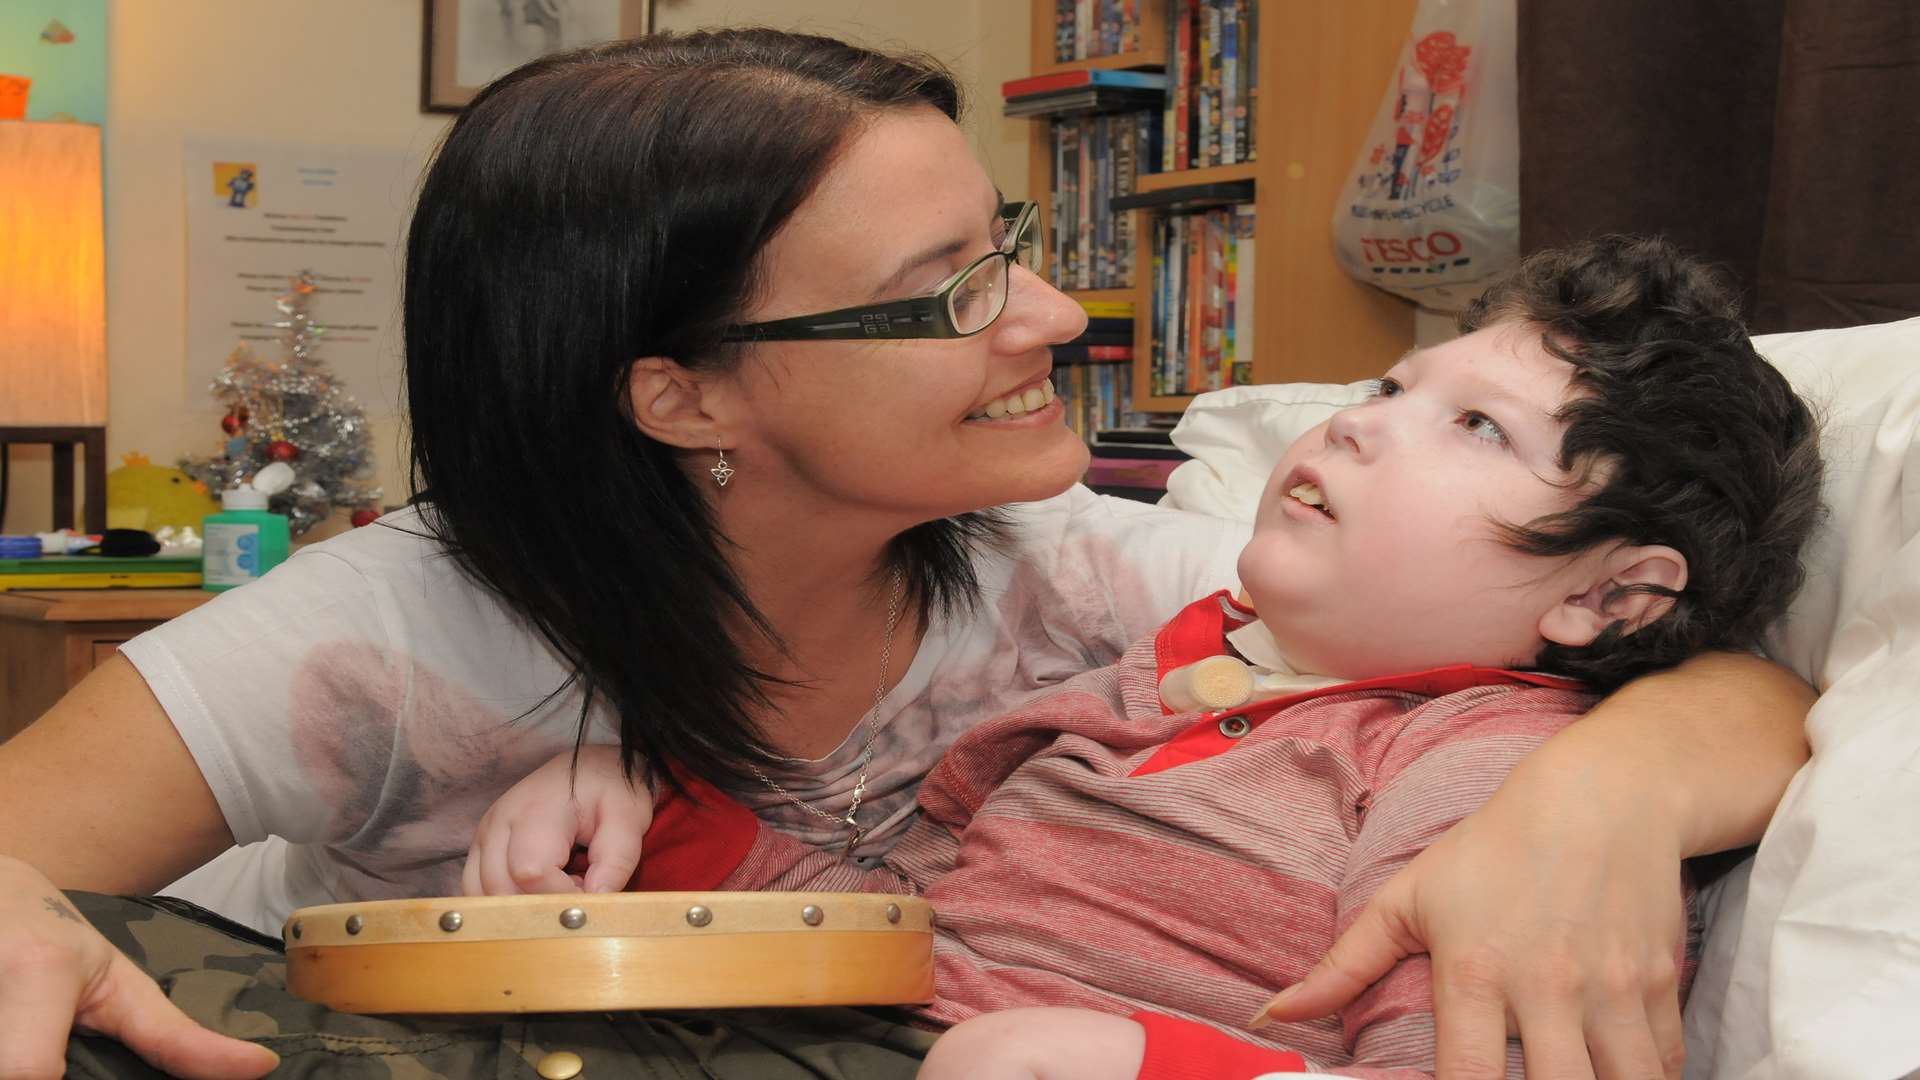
<point>526,839</point>
<point>1555,911</point>
<point>57,973</point>
<point>1555,921</point>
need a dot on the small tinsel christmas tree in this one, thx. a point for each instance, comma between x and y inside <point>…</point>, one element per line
<point>292,411</point>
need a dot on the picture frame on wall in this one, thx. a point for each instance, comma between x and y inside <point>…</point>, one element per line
<point>468,43</point>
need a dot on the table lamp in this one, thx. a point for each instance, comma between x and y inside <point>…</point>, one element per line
<point>53,356</point>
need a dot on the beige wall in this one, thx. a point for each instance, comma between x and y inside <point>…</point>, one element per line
<point>348,72</point>
<point>984,41</point>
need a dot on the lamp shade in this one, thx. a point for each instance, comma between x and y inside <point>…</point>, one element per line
<point>53,356</point>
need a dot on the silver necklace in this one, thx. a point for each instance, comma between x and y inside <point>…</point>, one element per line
<point>850,819</point>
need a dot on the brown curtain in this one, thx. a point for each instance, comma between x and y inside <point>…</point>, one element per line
<point>1780,138</point>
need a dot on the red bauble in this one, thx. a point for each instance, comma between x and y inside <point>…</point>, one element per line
<point>363,517</point>
<point>282,450</point>
<point>230,423</point>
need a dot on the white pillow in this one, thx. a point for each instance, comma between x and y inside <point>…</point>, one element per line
<point>1812,967</point>
<point>1236,436</point>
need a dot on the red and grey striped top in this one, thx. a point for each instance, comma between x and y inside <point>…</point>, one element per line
<point>1091,850</point>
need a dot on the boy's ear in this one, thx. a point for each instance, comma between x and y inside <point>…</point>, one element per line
<point>674,405</point>
<point>1580,618</point>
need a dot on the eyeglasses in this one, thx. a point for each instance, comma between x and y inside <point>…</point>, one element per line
<point>963,305</point>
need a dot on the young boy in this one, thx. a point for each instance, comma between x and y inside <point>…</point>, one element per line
<point>1600,478</point>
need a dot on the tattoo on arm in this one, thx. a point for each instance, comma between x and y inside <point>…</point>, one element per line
<point>62,910</point>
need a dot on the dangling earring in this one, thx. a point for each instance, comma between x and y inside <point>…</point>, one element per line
<point>722,472</point>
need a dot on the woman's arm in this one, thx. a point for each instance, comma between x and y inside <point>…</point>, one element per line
<point>99,794</point>
<point>1554,909</point>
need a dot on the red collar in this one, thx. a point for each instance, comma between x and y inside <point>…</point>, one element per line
<point>1200,631</point>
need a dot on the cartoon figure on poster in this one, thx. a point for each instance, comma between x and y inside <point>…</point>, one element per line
<point>1432,211</point>
<point>234,182</point>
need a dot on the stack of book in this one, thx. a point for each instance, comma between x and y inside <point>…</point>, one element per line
<point>1065,92</point>
<point>1202,295</point>
<point>1108,337</point>
<point>1083,28</point>
<point>1096,159</point>
<point>1093,372</point>
<point>96,572</point>
<point>1214,86</point>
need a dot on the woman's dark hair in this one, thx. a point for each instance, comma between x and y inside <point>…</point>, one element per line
<point>1688,436</point>
<point>588,209</point>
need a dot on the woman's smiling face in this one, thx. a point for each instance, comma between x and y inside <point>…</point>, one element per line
<point>902,427</point>
<point>1398,568</point>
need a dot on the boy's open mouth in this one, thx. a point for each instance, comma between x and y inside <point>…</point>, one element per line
<point>1308,492</point>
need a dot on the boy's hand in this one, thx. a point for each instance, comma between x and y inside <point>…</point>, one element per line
<point>526,839</point>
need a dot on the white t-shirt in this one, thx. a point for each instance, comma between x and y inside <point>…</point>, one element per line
<point>365,700</point>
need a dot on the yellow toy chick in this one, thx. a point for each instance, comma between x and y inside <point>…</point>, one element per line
<point>142,495</point>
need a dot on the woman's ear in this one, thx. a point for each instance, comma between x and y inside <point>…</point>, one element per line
<point>1599,603</point>
<point>674,405</point>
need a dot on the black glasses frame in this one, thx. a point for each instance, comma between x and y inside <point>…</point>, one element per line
<point>916,317</point>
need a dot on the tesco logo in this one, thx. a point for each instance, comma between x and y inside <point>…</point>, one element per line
<point>1439,244</point>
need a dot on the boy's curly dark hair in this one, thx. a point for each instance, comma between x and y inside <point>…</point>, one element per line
<point>1693,440</point>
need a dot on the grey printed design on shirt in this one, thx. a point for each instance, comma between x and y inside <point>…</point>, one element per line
<point>403,754</point>
<point>406,764</point>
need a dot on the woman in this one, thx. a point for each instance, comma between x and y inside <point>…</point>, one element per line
<point>700,482</point>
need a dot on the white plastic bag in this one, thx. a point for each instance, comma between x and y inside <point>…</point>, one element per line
<point>1431,210</point>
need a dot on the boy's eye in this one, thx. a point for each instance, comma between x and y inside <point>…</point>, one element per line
<point>1482,427</point>
<point>1383,387</point>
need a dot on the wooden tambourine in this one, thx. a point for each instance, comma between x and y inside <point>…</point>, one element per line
<point>612,951</point>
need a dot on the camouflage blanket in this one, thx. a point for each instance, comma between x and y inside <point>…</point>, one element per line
<point>233,980</point>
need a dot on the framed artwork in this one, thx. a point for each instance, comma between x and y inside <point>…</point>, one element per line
<point>469,43</point>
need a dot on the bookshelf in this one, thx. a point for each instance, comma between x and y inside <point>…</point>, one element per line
<point>1324,65</point>
<point>1153,39</point>
<point>1211,174</point>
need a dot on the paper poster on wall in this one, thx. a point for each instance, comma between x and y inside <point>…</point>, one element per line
<point>259,213</point>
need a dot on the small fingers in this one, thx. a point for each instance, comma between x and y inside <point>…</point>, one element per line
<point>494,878</point>
<point>613,854</point>
<point>470,873</point>
<point>537,853</point>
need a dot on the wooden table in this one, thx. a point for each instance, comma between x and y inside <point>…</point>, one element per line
<point>50,639</point>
